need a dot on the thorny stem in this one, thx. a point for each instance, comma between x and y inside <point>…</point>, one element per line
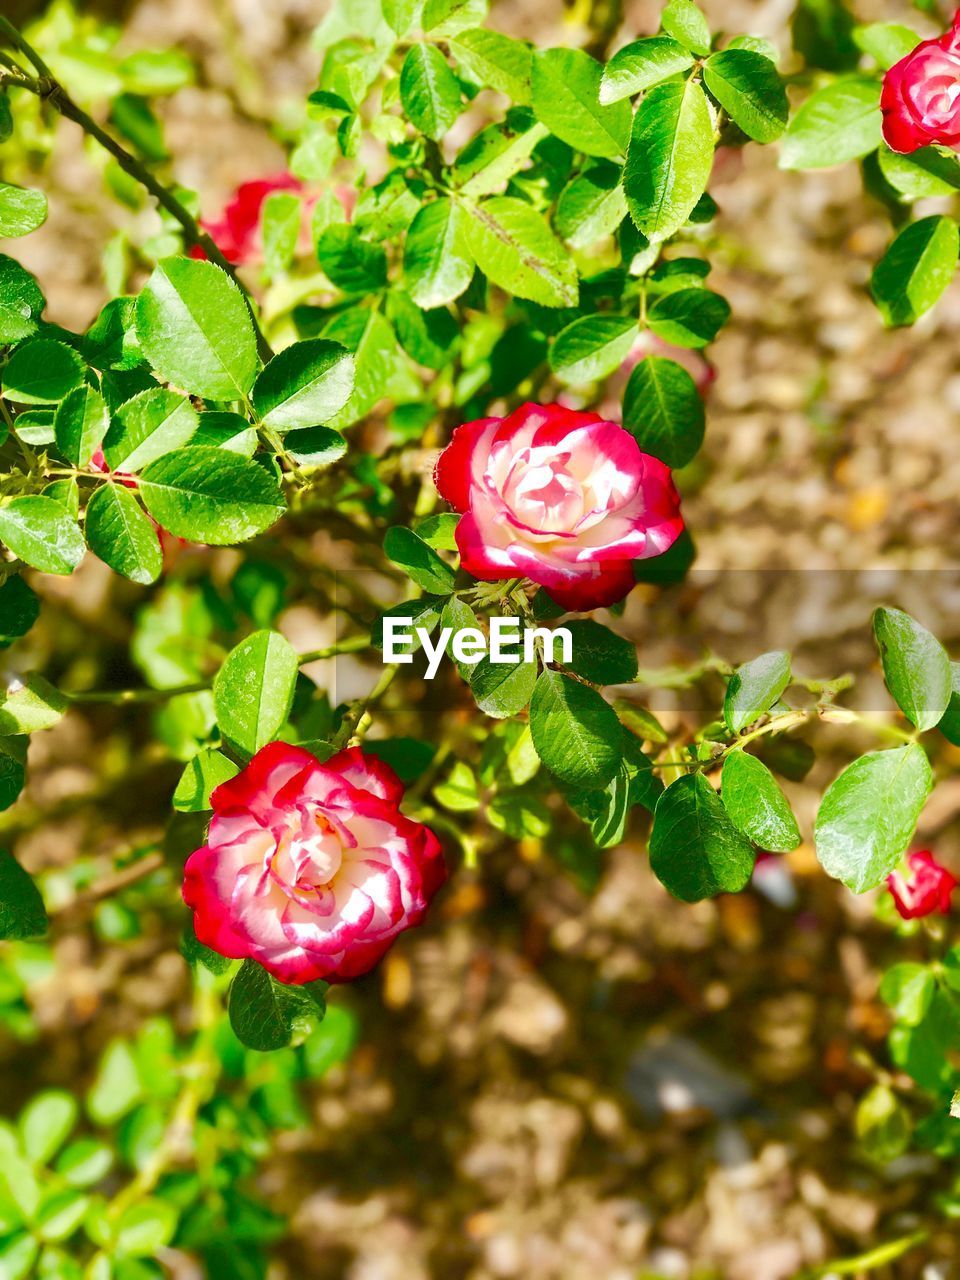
<point>356,720</point>
<point>49,89</point>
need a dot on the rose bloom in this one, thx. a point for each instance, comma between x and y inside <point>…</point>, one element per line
<point>927,887</point>
<point>921,95</point>
<point>237,232</point>
<point>311,869</point>
<point>562,498</point>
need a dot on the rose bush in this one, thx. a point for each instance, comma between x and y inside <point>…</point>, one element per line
<point>469,225</point>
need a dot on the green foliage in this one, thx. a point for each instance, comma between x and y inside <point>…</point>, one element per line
<point>253,691</point>
<point>264,1013</point>
<point>695,850</point>
<point>916,269</point>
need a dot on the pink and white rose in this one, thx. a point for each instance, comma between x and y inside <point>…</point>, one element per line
<point>311,869</point>
<point>563,498</point>
<point>921,95</point>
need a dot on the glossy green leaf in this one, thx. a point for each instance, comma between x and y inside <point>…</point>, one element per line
<point>22,913</point>
<point>837,123</point>
<point>42,372</point>
<point>201,777</point>
<point>886,42</point>
<point>641,65</point>
<point>148,426</point>
<point>670,157</point>
<point>22,210</point>
<point>502,689</point>
<point>514,247</point>
<point>195,329</point>
<point>868,815</point>
<point>747,86</point>
<point>13,770</point>
<point>437,265</point>
<point>689,317</point>
<point>253,691</point>
<point>916,269</point>
<point>429,90</point>
<point>445,18</point>
<point>599,654</point>
<point>30,704</point>
<point>695,850</point>
<point>688,25</point>
<point>210,496</point>
<point>576,734</point>
<point>121,535</point>
<point>756,805</point>
<point>663,410</point>
<point>264,1012</point>
<point>926,172</point>
<point>418,560</point>
<point>304,385</point>
<point>41,532</point>
<point>754,688</point>
<point>606,810</point>
<point>80,425</point>
<point>21,302</point>
<point>591,206</point>
<point>45,1123</point>
<point>19,608</point>
<point>915,667</point>
<point>315,447</point>
<point>493,59</point>
<point>592,348</point>
<point>566,98</point>
<point>281,218</point>
<point>909,990</point>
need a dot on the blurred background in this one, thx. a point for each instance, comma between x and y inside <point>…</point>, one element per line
<point>567,1075</point>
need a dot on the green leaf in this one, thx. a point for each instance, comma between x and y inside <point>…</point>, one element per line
<point>13,772</point>
<point>663,410</point>
<point>41,372</point>
<point>926,172</point>
<point>22,913</point>
<point>304,385</point>
<point>577,735</point>
<point>497,154</point>
<point>599,654</point>
<point>45,1124</point>
<point>84,1162</point>
<point>40,531</point>
<point>915,667</point>
<point>641,65</point>
<point>909,990</point>
<point>17,1256</point>
<point>253,691</point>
<point>429,337</point>
<point>458,792</point>
<point>689,317</point>
<point>210,496</point>
<point>444,18</point>
<point>514,247</point>
<point>350,262</point>
<point>566,98</point>
<point>418,560</point>
<point>837,123</point>
<point>493,59</point>
<point>429,90</point>
<point>121,535</point>
<point>687,24</point>
<point>607,810</point>
<point>641,722</point>
<point>315,447</point>
<point>440,531</point>
<point>19,608</point>
<point>281,217</point>
<point>196,331</point>
<point>868,815</point>
<point>756,805</point>
<point>80,424</point>
<point>117,1087</point>
<point>754,688</point>
<point>747,86</point>
<point>225,430</point>
<point>22,210</point>
<point>883,1127</point>
<point>949,724</point>
<point>30,704</point>
<point>916,269</point>
<point>670,157</point>
<point>21,302</point>
<point>437,265</point>
<point>592,348</point>
<point>147,427</point>
<point>264,1013</point>
<point>886,42</point>
<point>145,1227</point>
<point>591,206</point>
<point>502,689</point>
<point>695,850</point>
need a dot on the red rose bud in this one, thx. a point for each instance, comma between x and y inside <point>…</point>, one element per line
<point>921,95</point>
<point>562,498</point>
<point>236,233</point>
<point>926,889</point>
<point>311,869</point>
